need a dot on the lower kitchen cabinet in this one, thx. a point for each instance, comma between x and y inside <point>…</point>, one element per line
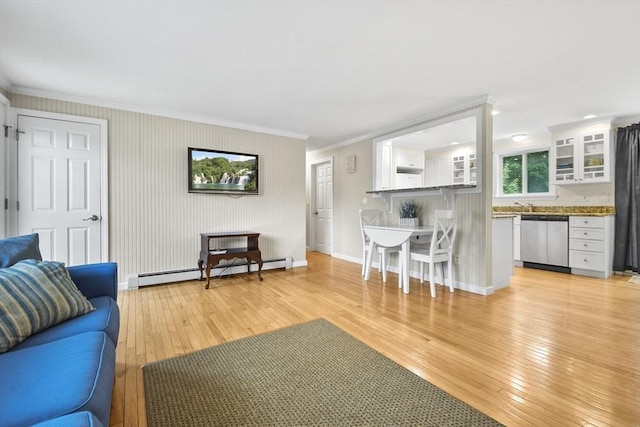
<point>591,245</point>
<point>517,259</point>
<point>502,253</point>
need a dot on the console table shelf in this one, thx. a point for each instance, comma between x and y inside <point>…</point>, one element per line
<point>210,258</point>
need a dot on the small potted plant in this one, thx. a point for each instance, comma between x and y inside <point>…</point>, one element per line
<point>409,211</point>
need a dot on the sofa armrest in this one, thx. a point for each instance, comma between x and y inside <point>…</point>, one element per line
<point>96,280</point>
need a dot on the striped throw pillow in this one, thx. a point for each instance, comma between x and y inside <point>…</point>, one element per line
<point>35,295</point>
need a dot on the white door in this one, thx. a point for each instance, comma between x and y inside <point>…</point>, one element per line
<point>324,206</point>
<point>59,187</point>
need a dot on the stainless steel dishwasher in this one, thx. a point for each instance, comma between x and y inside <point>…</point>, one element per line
<point>545,242</point>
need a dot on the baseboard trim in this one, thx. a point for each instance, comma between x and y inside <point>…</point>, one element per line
<point>468,287</point>
<point>136,281</point>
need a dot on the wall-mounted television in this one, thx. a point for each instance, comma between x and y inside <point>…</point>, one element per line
<point>222,172</point>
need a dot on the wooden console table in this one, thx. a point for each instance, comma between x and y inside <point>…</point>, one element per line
<point>210,258</point>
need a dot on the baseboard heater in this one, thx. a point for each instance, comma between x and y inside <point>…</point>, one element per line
<point>160,277</point>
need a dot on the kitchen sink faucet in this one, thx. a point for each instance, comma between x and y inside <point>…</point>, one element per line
<point>528,205</point>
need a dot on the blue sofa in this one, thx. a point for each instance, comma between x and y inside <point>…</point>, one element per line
<point>64,375</point>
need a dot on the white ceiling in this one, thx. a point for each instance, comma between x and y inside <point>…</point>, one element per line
<point>332,71</point>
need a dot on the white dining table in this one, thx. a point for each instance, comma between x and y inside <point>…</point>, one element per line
<point>390,236</point>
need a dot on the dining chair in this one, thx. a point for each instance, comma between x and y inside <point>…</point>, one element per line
<point>370,217</point>
<point>440,249</point>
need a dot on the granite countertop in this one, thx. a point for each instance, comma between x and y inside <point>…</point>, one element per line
<point>507,211</point>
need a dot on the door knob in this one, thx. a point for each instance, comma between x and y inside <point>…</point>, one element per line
<point>92,218</point>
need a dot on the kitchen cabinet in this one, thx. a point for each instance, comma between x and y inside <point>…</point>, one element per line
<point>464,169</point>
<point>591,246</point>
<point>582,159</point>
<point>408,180</point>
<point>501,253</point>
<point>409,168</point>
<point>409,159</point>
<point>516,241</point>
<point>384,157</point>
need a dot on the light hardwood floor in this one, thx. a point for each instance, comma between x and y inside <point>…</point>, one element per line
<point>550,350</point>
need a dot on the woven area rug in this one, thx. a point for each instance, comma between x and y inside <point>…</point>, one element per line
<point>312,374</point>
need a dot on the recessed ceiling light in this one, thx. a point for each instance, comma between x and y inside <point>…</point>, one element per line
<point>589,116</point>
<point>495,112</point>
<point>519,137</point>
<point>455,143</point>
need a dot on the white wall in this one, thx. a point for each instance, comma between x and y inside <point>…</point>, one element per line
<point>155,223</point>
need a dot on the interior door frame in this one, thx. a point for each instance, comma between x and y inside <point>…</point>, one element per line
<point>4,176</point>
<point>12,162</point>
<point>313,166</point>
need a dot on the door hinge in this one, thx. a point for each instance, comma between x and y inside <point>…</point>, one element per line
<point>6,130</point>
<point>17,205</point>
<point>6,204</point>
<point>18,132</point>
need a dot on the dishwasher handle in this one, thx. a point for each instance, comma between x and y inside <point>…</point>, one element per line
<point>563,218</point>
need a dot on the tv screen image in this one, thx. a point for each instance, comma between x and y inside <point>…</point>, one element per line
<point>216,171</point>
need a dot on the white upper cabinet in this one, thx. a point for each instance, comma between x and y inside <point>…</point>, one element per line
<point>583,158</point>
<point>409,159</point>
<point>409,170</point>
<point>384,156</point>
<point>464,169</point>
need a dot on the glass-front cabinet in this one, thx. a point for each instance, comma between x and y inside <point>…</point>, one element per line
<point>595,162</point>
<point>458,169</point>
<point>464,169</point>
<point>565,166</point>
<point>582,159</point>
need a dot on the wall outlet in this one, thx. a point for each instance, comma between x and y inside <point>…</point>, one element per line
<point>456,259</point>
<point>365,200</point>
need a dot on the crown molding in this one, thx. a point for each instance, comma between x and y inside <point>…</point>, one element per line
<point>484,99</point>
<point>607,120</point>
<point>5,83</point>
<point>157,112</point>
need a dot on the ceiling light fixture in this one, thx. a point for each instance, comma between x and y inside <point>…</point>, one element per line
<point>590,116</point>
<point>495,112</point>
<point>519,137</point>
<point>455,143</point>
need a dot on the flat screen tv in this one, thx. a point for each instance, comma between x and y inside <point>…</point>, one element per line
<point>222,172</point>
